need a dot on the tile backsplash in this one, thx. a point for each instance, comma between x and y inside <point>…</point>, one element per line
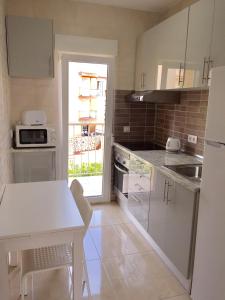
<point>156,122</point>
<point>180,120</point>
<point>139,116</point>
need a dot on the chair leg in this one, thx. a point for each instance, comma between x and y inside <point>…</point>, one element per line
<point>87,278</point>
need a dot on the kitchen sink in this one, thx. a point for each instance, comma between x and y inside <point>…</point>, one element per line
<point>191,172</point>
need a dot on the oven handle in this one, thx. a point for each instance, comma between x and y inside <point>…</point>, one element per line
<point>120,170</point>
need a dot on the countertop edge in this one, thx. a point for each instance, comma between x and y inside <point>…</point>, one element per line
<point>172,174</point>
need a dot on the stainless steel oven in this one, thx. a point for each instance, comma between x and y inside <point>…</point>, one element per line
<point>121,171</point>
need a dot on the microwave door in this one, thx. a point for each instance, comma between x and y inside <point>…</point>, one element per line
<point>33,136</point>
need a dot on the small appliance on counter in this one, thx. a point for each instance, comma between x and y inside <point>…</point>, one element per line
<point>173,145</point>
<point>33,132</point>
<point>34,117</point>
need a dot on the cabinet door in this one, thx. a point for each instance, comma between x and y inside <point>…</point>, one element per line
<point>198,43</point>
<point>141,57</point>
<point>30,47</point>
<point>139,191</point>
<point>34,166</point>
<point>179,222</point>
<point>170,48</point>
<point>161,54</point>
<point>157,212</point>
<point>218,41</point>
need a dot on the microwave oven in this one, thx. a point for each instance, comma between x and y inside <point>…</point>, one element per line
<point>34,136</point>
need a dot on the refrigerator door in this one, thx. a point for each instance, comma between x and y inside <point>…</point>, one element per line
<point>215,125</point>
<point>209,268</point>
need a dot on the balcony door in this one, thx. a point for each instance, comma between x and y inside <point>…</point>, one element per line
<point>87,119</point>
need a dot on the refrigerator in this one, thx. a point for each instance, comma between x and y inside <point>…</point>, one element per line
<point>209,266</point>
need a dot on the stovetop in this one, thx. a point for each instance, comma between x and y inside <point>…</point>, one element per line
<point>140,146</point>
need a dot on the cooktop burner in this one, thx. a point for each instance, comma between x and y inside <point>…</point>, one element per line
<point>139,146</point>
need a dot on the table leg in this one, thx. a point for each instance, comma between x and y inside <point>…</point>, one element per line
<point>77,266</point>
<point>4,280</point>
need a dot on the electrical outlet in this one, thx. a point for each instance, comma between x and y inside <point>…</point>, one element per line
<point>126,129</point>
<point>192,139</point>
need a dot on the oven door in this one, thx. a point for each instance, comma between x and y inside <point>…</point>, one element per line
<point>121,175</point>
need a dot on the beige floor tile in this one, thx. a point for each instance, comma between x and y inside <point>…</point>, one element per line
<point>132,288</point>
<point>89,248</point>
<point>119,267</point>
<point>107,215</point>
<point>100,284</point>
<point>167,287</point>
<point>108,242</point>
<point>149,264</point>
<point>132,237</point>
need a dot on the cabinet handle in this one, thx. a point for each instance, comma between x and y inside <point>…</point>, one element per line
<point>141,80</point>
<point>50,65</point>
<point>140,188</point>
<point>210,64</point>
<point>144,80</point>
<point>181,78</point>
<point>136,199</point>
<point>203,73</point>
<point>164,194</point>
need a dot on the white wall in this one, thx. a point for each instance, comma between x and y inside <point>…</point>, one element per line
<point>5,166</point>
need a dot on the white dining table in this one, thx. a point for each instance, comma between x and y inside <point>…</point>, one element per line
<point>39,214</point>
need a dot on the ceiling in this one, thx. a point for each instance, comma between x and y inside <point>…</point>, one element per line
<point>145,5</point>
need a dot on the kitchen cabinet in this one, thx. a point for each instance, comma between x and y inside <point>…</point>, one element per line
<point>141,82</point>
<point>32,165</point>
<point>171,220</point>
<point>181,51</point>
<point>139,190</point>
<point>30,47</point>
<point>161,54</point>
<point>199,44</point>
<point>217,57</point>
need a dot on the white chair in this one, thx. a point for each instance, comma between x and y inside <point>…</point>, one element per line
<point>59,256</point>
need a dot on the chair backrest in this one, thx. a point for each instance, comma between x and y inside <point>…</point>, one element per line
<point>82,204</point>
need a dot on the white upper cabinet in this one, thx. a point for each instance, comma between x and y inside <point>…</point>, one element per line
<point>181,51</point>
<point>170,50</point>
<point>217,56</point>
<point>141,64</point>
<point>198,44</point>
<point>161,54</point>
<point>30,45</point>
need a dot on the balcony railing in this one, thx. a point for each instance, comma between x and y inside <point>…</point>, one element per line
<point>86,143</point>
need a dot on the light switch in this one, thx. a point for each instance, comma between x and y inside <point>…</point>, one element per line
<point>192,139</point>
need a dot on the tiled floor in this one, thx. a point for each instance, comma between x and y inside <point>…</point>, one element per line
<point>121,266</point>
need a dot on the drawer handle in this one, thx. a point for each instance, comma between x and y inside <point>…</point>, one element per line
<point>164,194</point>
<point>167,194</point>
<point>140,188</point>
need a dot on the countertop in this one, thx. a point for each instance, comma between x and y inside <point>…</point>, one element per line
<point>159,158</point>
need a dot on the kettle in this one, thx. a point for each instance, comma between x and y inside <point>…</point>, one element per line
<point>173,144</point>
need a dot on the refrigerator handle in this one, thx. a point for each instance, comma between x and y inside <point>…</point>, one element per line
<point>215,144</point>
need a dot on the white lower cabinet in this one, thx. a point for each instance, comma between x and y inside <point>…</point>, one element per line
<point>34,166</point>
<point>139,191</point>
<point>172,220</point>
